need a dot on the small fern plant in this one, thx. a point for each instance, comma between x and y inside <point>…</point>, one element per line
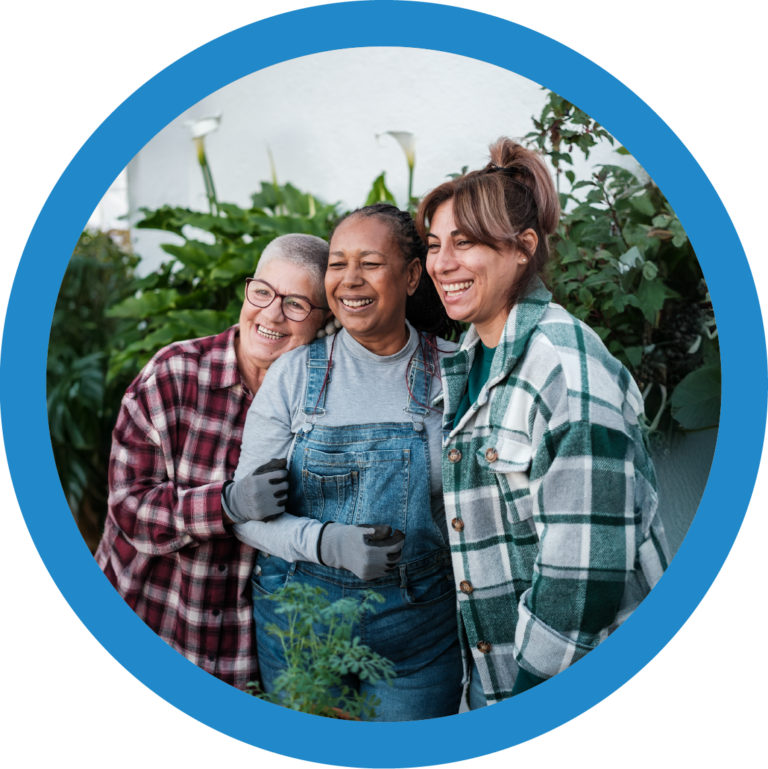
<point>320,650</point>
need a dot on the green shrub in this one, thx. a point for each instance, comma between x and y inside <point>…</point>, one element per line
<point>320,650</point>
<point>82,407</point>
<point>623,264</point>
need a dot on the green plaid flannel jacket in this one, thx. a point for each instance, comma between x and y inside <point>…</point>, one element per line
<point>550,495</point>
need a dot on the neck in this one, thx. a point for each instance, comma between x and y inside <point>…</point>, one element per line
<point>383,345</point>
<point>490,331</point>
<point>251,372</point>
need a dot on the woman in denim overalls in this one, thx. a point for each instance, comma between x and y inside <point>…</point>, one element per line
<point>373,470</point>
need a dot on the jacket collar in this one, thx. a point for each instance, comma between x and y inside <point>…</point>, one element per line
<point>522,321</point>
<point>224,369</point>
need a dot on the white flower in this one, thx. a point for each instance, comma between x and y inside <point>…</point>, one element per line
<point>203,126</point>
<point>407,141</point>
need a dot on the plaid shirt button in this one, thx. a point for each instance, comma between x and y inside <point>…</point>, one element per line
<point>465,587</point>
<point>491,455</point>
<point>457,525</point>
<point>454,455</point>
<point>484,647</point>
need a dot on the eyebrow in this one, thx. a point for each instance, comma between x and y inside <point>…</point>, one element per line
<point>453,234</point>
<point>362,253</point>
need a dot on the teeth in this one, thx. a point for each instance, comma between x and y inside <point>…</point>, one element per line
<point>359,303</point>
<point>269,334</point>
<point>448,287</point>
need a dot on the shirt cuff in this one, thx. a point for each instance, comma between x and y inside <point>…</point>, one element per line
<point>540,647</point>
<point>200,511</point>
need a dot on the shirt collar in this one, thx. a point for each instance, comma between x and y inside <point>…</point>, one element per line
<point>224,368</point>
<point>522,320</point>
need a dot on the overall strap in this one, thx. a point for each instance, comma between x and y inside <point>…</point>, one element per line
<point>317,368</point>
<point>419,386</point>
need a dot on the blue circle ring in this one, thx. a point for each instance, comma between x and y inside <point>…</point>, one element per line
<point>355,25</point>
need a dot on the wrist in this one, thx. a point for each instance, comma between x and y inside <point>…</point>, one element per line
<point>320,544</point>
<point>227,514</point>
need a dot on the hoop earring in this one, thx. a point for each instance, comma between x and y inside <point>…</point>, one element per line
<point>330,329</point>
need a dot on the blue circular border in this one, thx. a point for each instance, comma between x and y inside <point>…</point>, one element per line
<point>355,25</point>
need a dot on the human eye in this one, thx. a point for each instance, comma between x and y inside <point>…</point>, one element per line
<point>336,265</point>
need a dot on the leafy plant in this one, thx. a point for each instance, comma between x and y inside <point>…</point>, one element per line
<point>82,406</point>
<point>320,651</point>
<point>623,264</point>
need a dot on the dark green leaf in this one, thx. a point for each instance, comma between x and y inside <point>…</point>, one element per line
<point>150,303</point>
<point>696,400</point>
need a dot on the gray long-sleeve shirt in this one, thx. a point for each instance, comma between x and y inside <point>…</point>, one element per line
<point>366,388</point>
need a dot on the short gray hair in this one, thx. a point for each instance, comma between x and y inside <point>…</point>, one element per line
<point>306,251</point>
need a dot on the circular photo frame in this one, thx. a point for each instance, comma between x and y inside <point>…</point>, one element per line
<point>409,25</point>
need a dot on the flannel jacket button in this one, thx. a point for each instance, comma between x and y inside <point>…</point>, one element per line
<point>454,455</point>
<point>465,587</point>
<point>484,647</point>
<point>457,525</point>
<point>491,455</point>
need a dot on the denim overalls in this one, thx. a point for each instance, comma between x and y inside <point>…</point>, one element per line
<point>374,473</point>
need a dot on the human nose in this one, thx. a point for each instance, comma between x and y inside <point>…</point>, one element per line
<point>274,311</point>
<point>441,261</point>
<point>353,276</point>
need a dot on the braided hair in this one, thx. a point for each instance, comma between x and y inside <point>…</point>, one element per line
<point>424,310</point>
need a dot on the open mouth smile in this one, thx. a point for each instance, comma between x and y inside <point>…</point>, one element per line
<point>356,304</point>
<point>268,333</point>
<point>454,290</point>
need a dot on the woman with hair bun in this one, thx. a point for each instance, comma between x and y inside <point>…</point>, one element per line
<point>549,486</point>
<point>350,413</point>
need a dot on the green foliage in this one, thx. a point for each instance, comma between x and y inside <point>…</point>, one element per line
<point>199,291</point>
<point>379,192</point>
<point>320,650</point>
<point>82,407</point>
<point>623,264</point>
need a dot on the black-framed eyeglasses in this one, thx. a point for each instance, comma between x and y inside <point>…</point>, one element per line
<point>295,306</point>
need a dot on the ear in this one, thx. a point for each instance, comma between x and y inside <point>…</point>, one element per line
<point>413,271</point>
<point>528,239</point>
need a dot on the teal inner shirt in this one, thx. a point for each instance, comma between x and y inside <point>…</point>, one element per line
<point>478,376</point>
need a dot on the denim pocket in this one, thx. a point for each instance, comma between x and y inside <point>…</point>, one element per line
<point>429,589</point>
<point>331,497</point>
<point>271,574</point>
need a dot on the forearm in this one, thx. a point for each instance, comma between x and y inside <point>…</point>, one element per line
<point>287,537</point>
<point>160,518</point>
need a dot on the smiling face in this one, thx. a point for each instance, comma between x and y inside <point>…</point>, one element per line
<point>367,283</point>
<point>472,279</point>
<point>265,334</point>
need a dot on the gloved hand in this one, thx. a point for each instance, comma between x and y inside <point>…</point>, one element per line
<point>370,551</point>
<point>260,496</point>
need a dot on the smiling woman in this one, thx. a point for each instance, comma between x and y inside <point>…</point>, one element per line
<point>546,449</point>
<point>351,415</point>
<point>168,544</point>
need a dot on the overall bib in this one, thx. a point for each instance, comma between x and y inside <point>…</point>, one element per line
<point>374,473</point>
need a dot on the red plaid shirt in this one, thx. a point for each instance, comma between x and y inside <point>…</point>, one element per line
<point>165,546</point>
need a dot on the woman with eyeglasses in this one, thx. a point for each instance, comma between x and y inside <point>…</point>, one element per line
<point>548,482</point>
<point>168,545</point>
<point>351,414</point>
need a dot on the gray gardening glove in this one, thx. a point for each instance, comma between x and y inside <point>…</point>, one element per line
<point>370,551</point>
<point>260,496</point>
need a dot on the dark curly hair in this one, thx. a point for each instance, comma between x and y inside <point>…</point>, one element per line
<point>424,310</point>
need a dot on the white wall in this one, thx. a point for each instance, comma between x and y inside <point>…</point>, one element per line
<point>320,115</point>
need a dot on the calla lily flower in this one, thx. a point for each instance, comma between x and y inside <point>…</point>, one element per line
<point>200,129</point>
<point>407,141</point>
<point>203,126</point>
